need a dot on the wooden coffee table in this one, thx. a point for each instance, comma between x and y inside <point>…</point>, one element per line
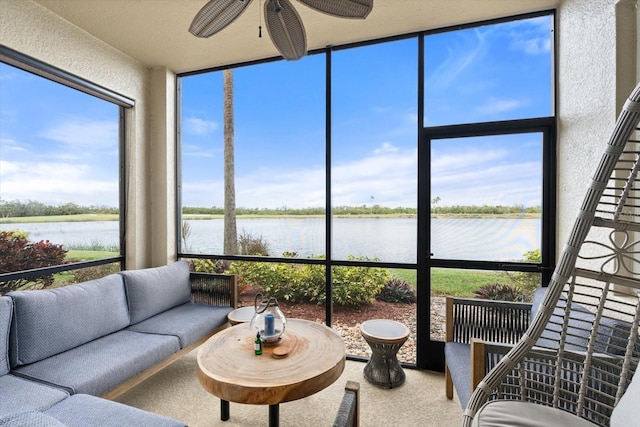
<point>229,369</point>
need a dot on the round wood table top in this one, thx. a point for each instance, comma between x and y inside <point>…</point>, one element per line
<point>384,331</point>
<point>314,357</point>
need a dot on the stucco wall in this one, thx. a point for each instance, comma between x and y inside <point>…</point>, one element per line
<point>162,125</point>
<point>33,30</point>
<point>590,84</point>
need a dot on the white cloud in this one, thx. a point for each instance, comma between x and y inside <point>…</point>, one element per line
<point>55,183</point>
<point>531,36</point>
<point>92,135</point>
<point>389,175</point>
<point>459,58</point>
<point>536,46</point>
<point>387,147</point>
<point>490,185</point>
<point>496,106</point>
<point>10,145</point>
<point>196,126</point>
<point>191,150</point>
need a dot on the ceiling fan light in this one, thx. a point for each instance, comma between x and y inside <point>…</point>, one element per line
<point>216,15</point>
<point>285,29</point>
<point>356,9</point>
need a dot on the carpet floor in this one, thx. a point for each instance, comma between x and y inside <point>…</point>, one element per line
<point>420,401</point>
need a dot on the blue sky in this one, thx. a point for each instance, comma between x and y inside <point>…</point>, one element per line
<point>58,145</point>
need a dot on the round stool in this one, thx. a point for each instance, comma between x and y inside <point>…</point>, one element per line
<point>385,337</point>
<point>241,315</point>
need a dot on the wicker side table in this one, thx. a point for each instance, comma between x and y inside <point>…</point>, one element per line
<point>241,315</point>
<point>385,337</point>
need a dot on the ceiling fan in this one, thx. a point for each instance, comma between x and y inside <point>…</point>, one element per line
<point>283,22</point>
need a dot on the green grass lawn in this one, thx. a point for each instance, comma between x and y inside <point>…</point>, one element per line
<point>82,255</point>
<point>459,283</point>
<point>60,218</point>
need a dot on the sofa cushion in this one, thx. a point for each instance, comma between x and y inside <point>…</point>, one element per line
<point>515,413</point>
<point>628,408</point>
<point>101,365</point>
<point>30,419</point>
<point>20,395</point>
<point>6,312</point>
<point>458,358</point>
<point>81,410</point>
<point>50,321</point>
<point>189,322</point>
<point>153,290</point>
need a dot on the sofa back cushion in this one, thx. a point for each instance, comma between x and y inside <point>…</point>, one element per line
<point>6,312</point>
<point>153,290</point>
<point>50,321</point>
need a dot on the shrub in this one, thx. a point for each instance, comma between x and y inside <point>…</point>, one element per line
<point>18,253</point>
<point>92,273</point>
<point>500,292</point>
<point>528,282</point>
<point>396,290</point>
<point>358,285</point>
<point>306,283</point>
<point>208,266</point>
<point>252,245</point>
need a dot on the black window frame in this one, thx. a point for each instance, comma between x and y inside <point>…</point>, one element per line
<point>41,69</point>
<point>430,354</point>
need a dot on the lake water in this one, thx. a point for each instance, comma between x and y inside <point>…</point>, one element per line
<point>388,239</point>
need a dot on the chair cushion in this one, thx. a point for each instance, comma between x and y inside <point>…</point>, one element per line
<point>515,413</point>
<point>189,322</point>
<point>50,321</point>
<point>6,313</point>
<point>20,395</point>
<point>458,358</point>
<point>628,408</point>
<point>30,419</point>
<point>101,365</point>
<point>579,327</point>
<point>153,290</point>
<point>81,410</point>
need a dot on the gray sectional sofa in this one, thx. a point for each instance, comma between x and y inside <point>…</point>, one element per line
<point>64,350</point>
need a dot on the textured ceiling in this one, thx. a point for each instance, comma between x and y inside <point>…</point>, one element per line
<point>155,32</point>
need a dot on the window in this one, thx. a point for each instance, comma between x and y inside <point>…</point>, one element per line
<point>374,154</point>
<point>494,72</point>
<point>351,165</point>
<point>279,146</point>
<point>60,182</point>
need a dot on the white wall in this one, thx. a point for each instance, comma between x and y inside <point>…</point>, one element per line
<point>161,157</point>
<point>591,80</point>
<point>33,30</point>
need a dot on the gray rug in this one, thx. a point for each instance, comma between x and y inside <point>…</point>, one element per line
<point>420,401</point>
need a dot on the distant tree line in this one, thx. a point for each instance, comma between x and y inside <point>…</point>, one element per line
<point>16,209</point>
<point>372,210</point>
<point>337,210</point>
<point>485,210</point>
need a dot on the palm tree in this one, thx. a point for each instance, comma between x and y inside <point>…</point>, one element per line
<point>230,229</point>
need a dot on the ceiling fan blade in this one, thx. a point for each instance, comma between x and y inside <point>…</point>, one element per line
<point>285,29</point>
<point>358,9</point>
<point>216,15</point>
